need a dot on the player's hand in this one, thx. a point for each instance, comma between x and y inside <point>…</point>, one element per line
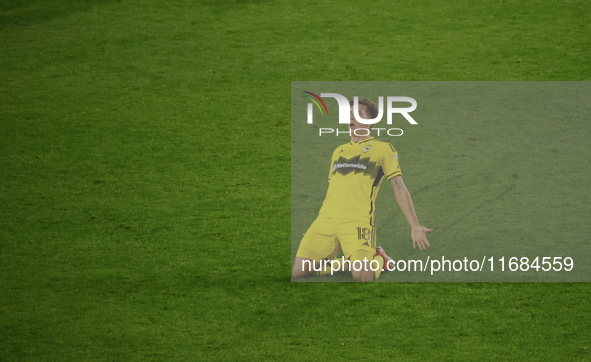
<point>419,238</point>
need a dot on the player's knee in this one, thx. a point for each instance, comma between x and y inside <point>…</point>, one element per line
<point>364,276</point>
<point>298,273</point>
<point>299,270</point>
<point>361,266</point>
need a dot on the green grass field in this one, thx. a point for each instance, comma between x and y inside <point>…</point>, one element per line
<point>145,180</point>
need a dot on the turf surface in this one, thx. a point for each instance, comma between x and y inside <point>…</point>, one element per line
<point>145,180</point>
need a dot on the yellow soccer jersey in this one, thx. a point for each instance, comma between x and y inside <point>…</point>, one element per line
<point>356,172</point>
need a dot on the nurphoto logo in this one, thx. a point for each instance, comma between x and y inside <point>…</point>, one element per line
<point>345,113</point>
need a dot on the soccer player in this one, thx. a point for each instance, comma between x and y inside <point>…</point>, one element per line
<point>346,218</point>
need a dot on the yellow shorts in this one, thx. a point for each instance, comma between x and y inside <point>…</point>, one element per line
<point>327,236</point>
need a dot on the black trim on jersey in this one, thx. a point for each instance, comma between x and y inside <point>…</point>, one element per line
<point>393,173</point>
<point>394,151</point>
<point>373,187</point>
<point>365,140</point>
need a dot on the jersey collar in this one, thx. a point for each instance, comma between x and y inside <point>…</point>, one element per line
<point>360,142</point>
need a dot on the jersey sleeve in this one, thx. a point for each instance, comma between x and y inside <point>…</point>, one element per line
<point>390,161</point>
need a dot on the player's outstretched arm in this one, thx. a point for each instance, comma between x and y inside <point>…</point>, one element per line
<point>417,234</point>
